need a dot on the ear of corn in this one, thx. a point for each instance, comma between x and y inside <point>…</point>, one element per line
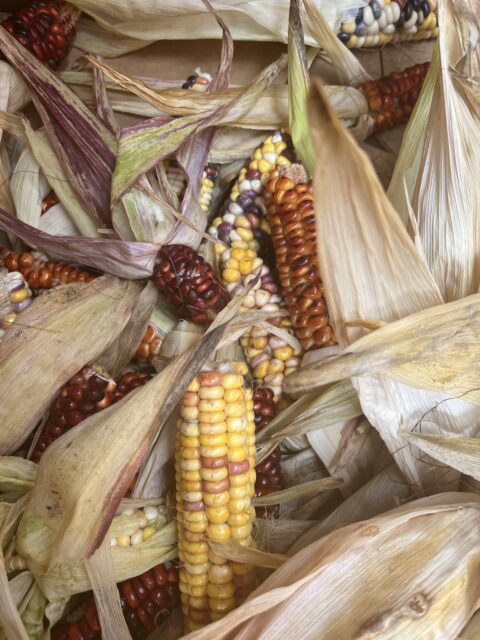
<point>382,21</point>
<point>146,601</point>
<point>291,215</point>
<point>245,231</point>
<point>15,296</point>
<point>215,477</point>
<point>46,29</point>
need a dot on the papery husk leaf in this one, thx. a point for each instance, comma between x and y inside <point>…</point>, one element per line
<point>57,222</point>
<point>446,198</point>
<point>277,536</point>
<point>28,188</point>
<point>84,481</point>
<point>17,477</point>
<point>138,23</point>
<point>472,630</point>
<point>133,260</point>
<point>233,550</point>
<point>347,67</point>
<point>302,466</point>
<point>32,610</point>
<point>298,86</point>
<point>421,558</point>
<point>61,331</point>
<point>128,562</point>
<point>142,146</point>
<point>462,454</point>
<point>123,349</point>
<point>303,490</point>
<point>383,492</point>
<point>230,144</point>
<point>408,161</point>
<point>14,92</point>
<point>102,102</point>
<point>12,624</point>
<point>361,279</point>
<point>107,596</point>
<point>85,147</point>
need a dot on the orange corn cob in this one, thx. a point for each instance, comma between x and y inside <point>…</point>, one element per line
<point>146,601</point>
<point>291,215</point>
<point>42,273</point>
<point>46,29</point>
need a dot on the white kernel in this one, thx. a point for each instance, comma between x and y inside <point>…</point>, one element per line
<point>245,185</point>
<point>137,537</point>
<point>234,209</point>
<point>151,513</point>
<point>270,157</point>
<point>128,512</point>
<point>229,217</point>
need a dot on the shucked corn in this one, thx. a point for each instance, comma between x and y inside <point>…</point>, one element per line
<point>215,478</point>
<point>382,21</point>
<point>15,297</point>
<point>245,232</point>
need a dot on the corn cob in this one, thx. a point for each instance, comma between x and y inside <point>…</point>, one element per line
<point>15,296</point>
<point>146,601</point>
<point>269,471</point>
<point>88,392</point>
<point>189,283</point>
<point>382,21</point>
<point>215,477</point>
<point>177,179</point>
<point>46,29</point>
<point>392,98</point>
<point>245,230</point>
<point>150,346</point>
<point>291,216</point>
<point>137,526</point>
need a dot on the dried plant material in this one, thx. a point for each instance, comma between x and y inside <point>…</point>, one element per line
<point>351,205</point>
<point>462,454</point>
<point>61,331</point>
<point>472,630</point>
<point>233,550</point>
<point>446,199</point>
<point>28,188</point>
<point>302,466</point>
<point>17,477</point>
<point>303,490</point>
<point>383,492</point>
<point>277,536</point>
<point>85,147</point>
<point>102,102</point>
<point>14,92</point>
<point>347,67</point>
<point>80,483</point>
<point>57,222</point>
<point>136,24</point>
<point>420,561</point>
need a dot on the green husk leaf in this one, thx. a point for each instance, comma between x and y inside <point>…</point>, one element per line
<point>298,86</point>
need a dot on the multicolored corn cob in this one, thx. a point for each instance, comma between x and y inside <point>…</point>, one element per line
<point>291,214</point>
<point>88,392</point>
<point>15,296</point>
<point>382,21</point>
<point>189,283</point>
<point>391,99</point>
<point>146,601</point>
<point>46,29</point>
<point>215,478</point>
<point>269,471</point>
<point>247,255</point>
<point>178,181</point>
<point>42,273</point>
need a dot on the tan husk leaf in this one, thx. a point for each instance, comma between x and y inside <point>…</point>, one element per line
<point>233,550</point>
<point>372,272</point>
<point>421,562</point>
<point>462,454</point>
<point>17,477</point>
<point>62,330</point>
<point>304,490</point>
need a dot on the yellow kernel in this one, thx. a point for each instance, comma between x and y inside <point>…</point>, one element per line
<point>245,267</point>
<point>239,505</point>
<point>217,440</point>
<point>210,393</point>
<point>238,423</point>
<point>239,519</point>
<point>261,369</point>
<point>260,343</point>
<point>252,476</point>
<point>198,580</point>
<point>263,165</point>
<point>189,413</point>
<point>213,452</point>
<point>192,486</point>
<point>282,161</point>
<point>234,395</point>
<point>243,222</point>
<point>279,147</point>
<point>191,475</point>
<point>195,527</point>
<point>195,558</point>
<point>235,409</point>
<point>238,533</point>
<point>235,440</point>
<point>220,574</point>
<point>216,559</point>
<point>245,234</point>
<point>253,165</point>
<point>190,399</point>
<point>123,541</point>
<point>198,591</point>
<point>219,532</point>
<point>226,590</point>
<point>195,516</point>
<point>213,404</point>
<point>249,402</point>
<point>240,569</point>
<point>211,417</point>
<point>192,496</point>
<point>238,454</point>
<point>231,263</point>
<point>257,155</point>
<point>216,499</point>
<point>238,492</point>
<point>240,479</point>
<point>212,429</point>
<point>196,547</point>
<point>283,353</point>
<point>214,475</point>
<point>148,532</point>
<point>239,244</point>
<point>20,295</point>
<point>194,385</point>
<point>189,429</point>
<point>218,515</point>
<point>238,254</point>
<point>189,454</point>
<point>268,148</point>
<point>198,603</point>
<point>231,275</point>
<point>221,605</point>
<point>232,381</point>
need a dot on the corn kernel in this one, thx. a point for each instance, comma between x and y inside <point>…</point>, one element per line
<point>212,429</point>
<point>213,452</point>
<point>264,166</point>
<point>226,590</point>
<point>214,475</point>
<point>221,605</point>
<point>211,417</point>
<point>219,532</point>
<point>218,515</point>
<point>240,479</point>
<point>213,440</point>
<point>195,558</point>
<point>216,499</point>
<point>210,393</point>
<point>239,454</point>
<point>220,574</point>
<point>211,405</point>
<point>148,532</point>
<point>231,275</point>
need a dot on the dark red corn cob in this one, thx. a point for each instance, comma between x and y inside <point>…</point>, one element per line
<point>269,471</point>
<point>88,392</point>
<point>391,99</point>
<point>189,283</point>
<point>146,601</point>
<point>41,273</point>
<point>46,29</point>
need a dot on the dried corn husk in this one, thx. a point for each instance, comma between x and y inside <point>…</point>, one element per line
<point>60,332</point>
<point>17,477</point>
<point>366,251</point>
<point>420,562</point>
<point>28,187</point>
<point>138,23</point>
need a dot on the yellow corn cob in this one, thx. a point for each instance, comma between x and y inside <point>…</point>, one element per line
<point>215,478</point>
<point>245,230</point>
